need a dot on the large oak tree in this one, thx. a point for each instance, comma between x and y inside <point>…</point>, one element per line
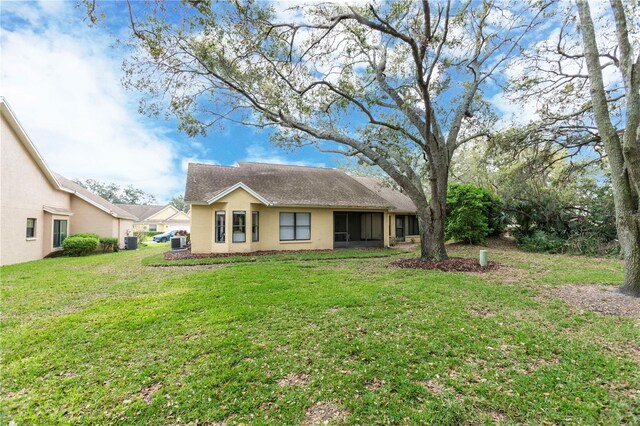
<point>396,84</point>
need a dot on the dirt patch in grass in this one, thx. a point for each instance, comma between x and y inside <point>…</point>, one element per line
<point>433,387</point>
<point>147,394</point>
<point>597,298</point>
<point>294,379</point>
<point>323,413</point>
<point>375,384</point>
<point>453,264</point>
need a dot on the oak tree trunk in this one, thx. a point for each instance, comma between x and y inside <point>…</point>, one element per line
<point>432,215</point>
<point>623,154</point>
<point>629,238</point>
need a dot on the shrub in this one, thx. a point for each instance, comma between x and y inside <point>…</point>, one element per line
<point>154,233</point>
<point>547,222</point>
<point>541,241</point>
<point>142,235</point>
<point>86,235</point>
<point>79,246</point>
<point>108,244</point>
<point>473,213</point>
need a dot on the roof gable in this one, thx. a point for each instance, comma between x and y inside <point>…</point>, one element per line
<point>163,214</point>
<point>238,186</point>
<point>179,217</point>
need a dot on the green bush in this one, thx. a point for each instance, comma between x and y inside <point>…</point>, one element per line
<point>86,235</point>
<point>546,222</point>
<point>79,246</point>
<point>108,244</point>
<point>142,235</point>
<point>154,233</point>
<point>543,242</point>
<point>473,213</point>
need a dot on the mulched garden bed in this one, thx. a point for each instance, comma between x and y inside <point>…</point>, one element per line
<point>453,264</point>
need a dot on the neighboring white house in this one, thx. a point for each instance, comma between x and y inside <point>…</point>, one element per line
<point>39,208</point>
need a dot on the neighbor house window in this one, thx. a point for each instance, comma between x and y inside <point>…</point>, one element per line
<point>255,223</point>
<point>295,226</point>
<point>220,225</point>
<point>59,232</point>
<point>412,226</point>
<point>153,228</point>
<point>31,228</point>
<point>239,226</point>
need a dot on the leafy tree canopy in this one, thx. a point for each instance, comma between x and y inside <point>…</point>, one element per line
<point>116,193</point>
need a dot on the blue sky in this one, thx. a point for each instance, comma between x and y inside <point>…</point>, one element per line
<point>61,77</point>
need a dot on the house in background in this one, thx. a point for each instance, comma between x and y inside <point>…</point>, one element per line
<point>39,208</point>
<point>156,218</point>
<point>255,206</point>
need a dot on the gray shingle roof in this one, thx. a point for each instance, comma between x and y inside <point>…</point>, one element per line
<point>401,202</point>
<point>282,185</point>
<point>142,211</point>
<point>113,210</point>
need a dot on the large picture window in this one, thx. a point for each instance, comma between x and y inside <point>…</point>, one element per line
<point>255,226</point>
<point>59,232</point>
<point>31,228</point>
<point>295,226</point>
<point>239,226</point>
<point>153,228</point>
<point>220,226</point>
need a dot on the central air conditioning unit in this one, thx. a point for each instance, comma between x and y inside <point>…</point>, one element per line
<point>131,243</point>
<point>178,243</point>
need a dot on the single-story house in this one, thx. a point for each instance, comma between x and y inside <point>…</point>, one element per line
<point>39,208</point>
<point>255,206</point>
<point>157,218</point>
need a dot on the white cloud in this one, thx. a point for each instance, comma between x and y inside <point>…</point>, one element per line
<point>62,80</point>
<point>260,154</point>
<point>512,112</point>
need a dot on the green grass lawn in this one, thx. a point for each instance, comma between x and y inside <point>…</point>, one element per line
<point>111,339</point>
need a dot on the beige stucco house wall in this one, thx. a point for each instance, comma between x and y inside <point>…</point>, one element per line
<point>30,190</point>
<point>24,190</point>
<point>87,218</point>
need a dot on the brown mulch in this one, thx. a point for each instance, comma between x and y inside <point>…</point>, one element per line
<point>186,254</point>
<point>598,298</point>
<point>453,264</point>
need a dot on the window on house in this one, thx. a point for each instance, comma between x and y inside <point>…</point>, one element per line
<point>412,226</point>
<point>295,226</point>
<point>153,228</point>
<point>59,232</point>
<point>31,228</point>
<point>255,224</point>
<point>220,226</point>
<point>239,226</point>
